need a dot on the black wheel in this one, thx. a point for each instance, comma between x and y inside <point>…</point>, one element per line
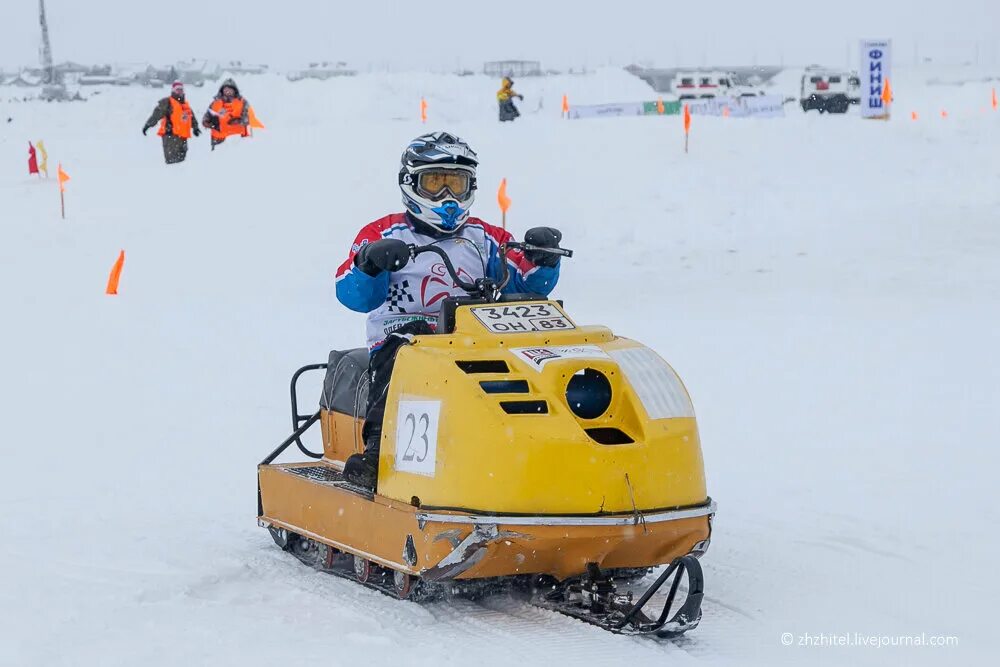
<point>362,569</point>
<point>403,584</point>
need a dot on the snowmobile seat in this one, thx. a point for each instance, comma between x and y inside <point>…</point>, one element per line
<point>345,388</point>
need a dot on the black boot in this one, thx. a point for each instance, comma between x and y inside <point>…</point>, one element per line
<point>362,469</point>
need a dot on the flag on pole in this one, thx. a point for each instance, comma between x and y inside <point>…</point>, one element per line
<point>659,106</point>
<point>687,126</point>
<point>913,115</point>
<point>502,197</point>
<point>32,160</point>
<point>63,177</point>
<point>565,105</point>
<point>116,274</point>
<point>504,201</point>
<point>994,99</point>
<point>43,166</point>
<point>423,110</point>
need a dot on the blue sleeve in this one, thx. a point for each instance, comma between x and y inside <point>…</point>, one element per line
<point>540,280</point>
<point>361,292</point>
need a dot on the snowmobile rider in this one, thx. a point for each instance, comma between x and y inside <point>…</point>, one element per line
<point>505,100</point>
<point>175,117</point>
<point>403,295</point>
<point>228,115</point>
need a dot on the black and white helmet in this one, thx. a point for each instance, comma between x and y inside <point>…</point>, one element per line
<point>438,180</point>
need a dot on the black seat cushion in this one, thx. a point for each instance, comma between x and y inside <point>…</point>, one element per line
<point>345,388</point>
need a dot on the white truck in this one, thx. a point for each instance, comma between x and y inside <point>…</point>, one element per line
<point>691,85</point>
<point>829,91</point>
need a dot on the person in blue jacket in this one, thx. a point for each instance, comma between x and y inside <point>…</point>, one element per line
<point>403,295</point>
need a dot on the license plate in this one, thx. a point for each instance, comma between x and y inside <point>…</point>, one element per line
<point>522,318</point>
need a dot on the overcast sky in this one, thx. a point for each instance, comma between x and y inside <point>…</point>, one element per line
<point>441,34</point>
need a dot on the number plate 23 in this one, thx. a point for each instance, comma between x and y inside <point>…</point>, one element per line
<point>416,436</point>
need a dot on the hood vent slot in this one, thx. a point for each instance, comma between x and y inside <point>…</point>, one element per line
<point>504,386</point>
<point>609,436</point>
<point>525,407</point>
<point>488,366</point>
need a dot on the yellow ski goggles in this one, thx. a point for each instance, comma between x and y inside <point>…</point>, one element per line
<point>436,184</point>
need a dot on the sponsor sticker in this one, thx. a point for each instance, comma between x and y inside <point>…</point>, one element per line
<point>537,357</point>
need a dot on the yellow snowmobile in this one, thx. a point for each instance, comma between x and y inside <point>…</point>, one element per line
<point>519,450</point>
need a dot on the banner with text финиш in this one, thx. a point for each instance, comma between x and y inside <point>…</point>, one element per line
<point>874,68</point>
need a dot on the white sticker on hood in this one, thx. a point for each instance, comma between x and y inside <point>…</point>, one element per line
<point>537,357</point>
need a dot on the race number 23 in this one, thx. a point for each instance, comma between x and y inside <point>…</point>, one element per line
<point>416,436</point>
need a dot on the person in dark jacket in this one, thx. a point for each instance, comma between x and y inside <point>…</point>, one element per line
<point>177,124</point>
<point>228,115</point>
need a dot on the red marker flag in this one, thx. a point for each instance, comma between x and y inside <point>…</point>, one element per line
<point>32,160</point>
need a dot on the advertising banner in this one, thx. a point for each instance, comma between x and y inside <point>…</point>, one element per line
<point>874,68</point>
<point>606,110</point>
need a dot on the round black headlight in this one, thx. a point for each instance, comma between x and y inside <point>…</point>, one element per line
<point>588,394</point>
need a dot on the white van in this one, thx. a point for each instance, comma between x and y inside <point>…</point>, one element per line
<point>706,85</point>
<point>829,91</point>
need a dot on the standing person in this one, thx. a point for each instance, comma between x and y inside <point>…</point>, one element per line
<point>505,100</point>
<point>228,115</point>
<point>177,124</point>
<point>403,295</point>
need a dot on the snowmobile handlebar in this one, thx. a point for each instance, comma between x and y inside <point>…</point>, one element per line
<point>486,287</point>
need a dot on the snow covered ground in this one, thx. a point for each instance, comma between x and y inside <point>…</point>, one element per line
<point>827,287</point>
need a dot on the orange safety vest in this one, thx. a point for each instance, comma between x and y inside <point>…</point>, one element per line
<point>225,111</point>
<point>180,118</point>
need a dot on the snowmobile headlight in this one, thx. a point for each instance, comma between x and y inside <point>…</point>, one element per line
<point>588,393</point>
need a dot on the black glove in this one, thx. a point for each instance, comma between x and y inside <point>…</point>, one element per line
<point>544,237</point>
<point>383,255</point>
<point>144,131</point>
<point>196,131</point>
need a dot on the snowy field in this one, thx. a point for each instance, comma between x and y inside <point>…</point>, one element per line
<point>827,287</point>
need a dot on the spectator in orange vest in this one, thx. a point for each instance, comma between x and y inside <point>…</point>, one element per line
<point>176,124</point>
<point>228,115</point>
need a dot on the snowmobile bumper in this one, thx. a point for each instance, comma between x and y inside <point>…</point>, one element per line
<point>313,500</point>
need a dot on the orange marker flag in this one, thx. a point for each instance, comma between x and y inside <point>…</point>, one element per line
<point>504,201</point>
<point>913,115</point>
<point>687,126</point>
<point>63,177</point>
<point>887,93</point>
<point>944,113</point>
<point>116,273</point>
<point>565,106</point>
<point>254,121</point>
<point>725,112</point>
<point>659,106</point>
<point>423,110</point>
<point>994,99</point>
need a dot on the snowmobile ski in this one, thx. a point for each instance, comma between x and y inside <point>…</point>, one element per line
<point>595,599</point>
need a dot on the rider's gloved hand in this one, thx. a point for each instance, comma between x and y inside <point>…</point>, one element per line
<point>383,255</point>
<point>544,237</point>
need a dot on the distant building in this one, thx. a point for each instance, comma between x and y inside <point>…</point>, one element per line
<point>322,71</point>
<point>239,67</point>
<point>512,68</point>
